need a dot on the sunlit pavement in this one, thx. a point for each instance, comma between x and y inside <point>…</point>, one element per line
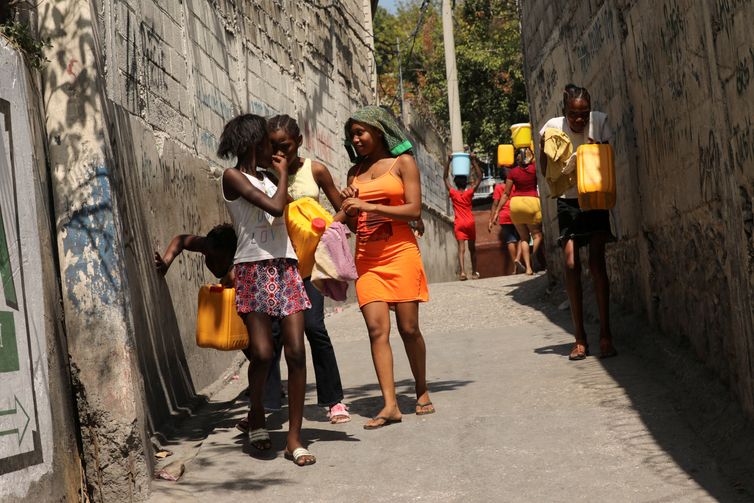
<point>515,421</point>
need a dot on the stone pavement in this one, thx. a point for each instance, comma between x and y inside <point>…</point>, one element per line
<point>516,421</point>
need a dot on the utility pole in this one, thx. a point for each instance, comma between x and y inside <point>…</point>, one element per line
<point>400,75</point>
<point>454,105</point>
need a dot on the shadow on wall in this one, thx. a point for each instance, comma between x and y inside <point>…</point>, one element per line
<point>697,398</point>
<point>167,380</point>
<point>311,115</point>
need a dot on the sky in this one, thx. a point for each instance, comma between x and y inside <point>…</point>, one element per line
<point>390,5</point>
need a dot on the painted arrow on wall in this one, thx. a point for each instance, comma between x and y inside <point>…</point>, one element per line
<point>14,412</point>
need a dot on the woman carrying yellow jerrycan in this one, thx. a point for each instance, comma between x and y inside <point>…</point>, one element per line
<point>525,208</point>
<point>579,225</point>
<point>305,179</point>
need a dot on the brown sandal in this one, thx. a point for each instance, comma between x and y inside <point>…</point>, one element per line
<point>579,351</point>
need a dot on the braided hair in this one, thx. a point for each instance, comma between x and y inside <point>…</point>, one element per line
<point>573,92</point>
<point>286,123</point>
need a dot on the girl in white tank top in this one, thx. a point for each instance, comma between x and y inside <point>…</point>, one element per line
<point>266,276</point>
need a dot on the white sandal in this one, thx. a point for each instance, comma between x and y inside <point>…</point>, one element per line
<point>260,435</point>
<point>299,453</point>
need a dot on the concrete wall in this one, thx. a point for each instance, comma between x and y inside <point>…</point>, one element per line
<point>438,245</point>
<point>676,79</point>
<point>39,458</point>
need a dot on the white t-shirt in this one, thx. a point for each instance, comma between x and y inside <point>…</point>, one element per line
<point>597,129</point>
<point>260,235</point>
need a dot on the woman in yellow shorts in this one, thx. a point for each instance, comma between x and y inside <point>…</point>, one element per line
<point>383,195</point>
<point>526,213</point>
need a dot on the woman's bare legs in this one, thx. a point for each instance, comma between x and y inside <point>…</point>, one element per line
<point>598,269</point>
<point>292,332</point>
<point>573,288</point>
<point>535,230</point>
<point>407,316</point>
<point>513,250</point>
<point>472,254</point>
<point>377,318</point>
<point>523,235</point>
<point>462,258</point>
<point>262,352</point>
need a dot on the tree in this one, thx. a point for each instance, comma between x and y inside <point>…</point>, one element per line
<point>488,57</point>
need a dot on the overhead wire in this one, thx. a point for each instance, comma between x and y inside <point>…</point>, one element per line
<point>419,22</point>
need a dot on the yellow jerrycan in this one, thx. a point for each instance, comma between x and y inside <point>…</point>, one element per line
<point>218,325</point>
<point>306,221</point>
<point>595,176</point>
<point>505,155</point>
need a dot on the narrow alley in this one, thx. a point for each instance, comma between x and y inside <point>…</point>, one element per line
<point>515,421</point>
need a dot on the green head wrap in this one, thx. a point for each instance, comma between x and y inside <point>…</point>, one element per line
<point>377,117</point>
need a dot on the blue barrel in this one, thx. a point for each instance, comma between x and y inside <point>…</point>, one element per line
<point>461,165</point>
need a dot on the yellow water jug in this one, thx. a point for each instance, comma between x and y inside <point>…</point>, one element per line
<point>521,134</point>
<point>595,176</point>
<point>218,325</point>
<point>306,220</point>
<point>505,155</point>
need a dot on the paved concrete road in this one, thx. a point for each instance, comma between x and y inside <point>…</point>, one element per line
<point>516,421</point>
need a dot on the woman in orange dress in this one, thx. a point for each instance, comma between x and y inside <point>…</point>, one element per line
<point>383,195</point>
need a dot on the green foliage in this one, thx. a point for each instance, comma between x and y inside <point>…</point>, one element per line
<point>21,37</point>
<point>488,57</point>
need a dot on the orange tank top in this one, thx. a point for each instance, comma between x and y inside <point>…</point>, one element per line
<point>378,236</point>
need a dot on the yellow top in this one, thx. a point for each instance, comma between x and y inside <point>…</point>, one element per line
<point>302,183</point>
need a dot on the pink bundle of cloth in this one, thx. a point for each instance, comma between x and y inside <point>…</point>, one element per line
<point>334,266</point>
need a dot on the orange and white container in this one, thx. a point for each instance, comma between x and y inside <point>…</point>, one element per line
<point>218,325</point>
<point>306,221</point>
<point>595,176</point>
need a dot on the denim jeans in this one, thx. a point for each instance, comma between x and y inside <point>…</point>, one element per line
<point>329,387</point>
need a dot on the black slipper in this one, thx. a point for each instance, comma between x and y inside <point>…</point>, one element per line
<point>385,422</point>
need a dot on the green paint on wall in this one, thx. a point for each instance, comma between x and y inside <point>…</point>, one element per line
<point>8,348</point>
<point>6,272</point>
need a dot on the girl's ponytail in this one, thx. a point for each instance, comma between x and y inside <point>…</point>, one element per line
<point>240,135</point>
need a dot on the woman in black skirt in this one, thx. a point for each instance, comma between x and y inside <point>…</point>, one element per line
<point>581,228</point>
